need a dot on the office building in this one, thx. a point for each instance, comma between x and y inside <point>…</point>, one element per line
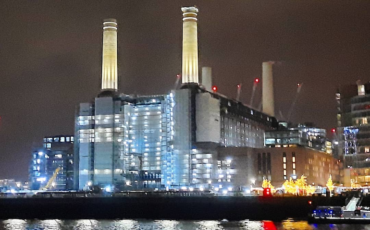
<point>247,167</point>
<point>299,135</point>
<point>352,134</point>
<point>57,152</point>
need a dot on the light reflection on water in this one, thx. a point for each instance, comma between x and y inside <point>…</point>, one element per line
<point>16,224</point>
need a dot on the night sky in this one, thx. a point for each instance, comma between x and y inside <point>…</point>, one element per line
<point>50,58</point>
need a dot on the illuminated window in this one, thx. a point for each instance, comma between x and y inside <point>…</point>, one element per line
<point>294,171</point>
<point>364,120</point>
<point>294,166</point>
<point>284,166</point>
<point>367,149</point>
<point>361,90</point>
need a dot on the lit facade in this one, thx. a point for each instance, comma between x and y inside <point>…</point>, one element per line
<point>247,167</point>
<point>302,135</point>
<point>56,153</point>
<point>161,141</point>
<point>352,134</point>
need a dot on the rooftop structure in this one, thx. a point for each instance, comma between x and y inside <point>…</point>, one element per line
<point>300,135</point>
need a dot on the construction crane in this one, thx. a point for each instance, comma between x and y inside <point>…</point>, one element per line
<point>299,87</point>
<point>178,77</point>
<point>52,179</point>
<point>239,90</point>
<point>255,83</point>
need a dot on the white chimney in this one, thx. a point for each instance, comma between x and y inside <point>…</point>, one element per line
<point>268,105</point>
<point>190,45</point>
<point>109,65</point>
<point>207,78</point>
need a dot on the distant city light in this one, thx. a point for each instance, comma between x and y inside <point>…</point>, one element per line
<point>108,188</point>
<point>214,88</point>
<point>256,80</point>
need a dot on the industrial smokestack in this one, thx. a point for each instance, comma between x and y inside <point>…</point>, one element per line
<point>109,65</point>
<point>268,89</point>
<point>190,45</point>
<point>207,78</point>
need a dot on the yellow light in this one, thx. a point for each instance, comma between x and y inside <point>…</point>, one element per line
<point>109,65</point>
<point>190,45</point>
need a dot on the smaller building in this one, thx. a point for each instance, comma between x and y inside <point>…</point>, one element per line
<point>57,152</point>
<point>38,174</point>
<point>246,167</point>
<point>11,185</point>
<point>300,135</point>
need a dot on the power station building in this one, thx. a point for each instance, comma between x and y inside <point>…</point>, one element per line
<point>158,141</point>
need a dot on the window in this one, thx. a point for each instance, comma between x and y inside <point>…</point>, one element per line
<point>367,149</point>
<point>284,166</point>
<point>259,162</point>
<point>293,167</point>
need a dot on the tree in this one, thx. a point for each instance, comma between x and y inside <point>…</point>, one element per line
<point>330,185</point>
<point>267,184</point>
<point>299,186</point>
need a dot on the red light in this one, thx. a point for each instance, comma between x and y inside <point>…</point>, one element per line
<point>238,86</point>
<point>333,130</point>
<point>309,202</point>
<point>214,88</point>
<point>256,80</point>
<point>269,225</point>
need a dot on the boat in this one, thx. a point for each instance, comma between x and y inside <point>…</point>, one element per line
<point>353,212</point>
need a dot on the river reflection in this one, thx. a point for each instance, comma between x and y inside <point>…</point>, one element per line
<point>16,224</point>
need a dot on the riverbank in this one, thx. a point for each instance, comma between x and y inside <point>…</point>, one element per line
<point>171,208</point>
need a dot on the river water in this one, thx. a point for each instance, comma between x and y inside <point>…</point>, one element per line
<point>15,224</point>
